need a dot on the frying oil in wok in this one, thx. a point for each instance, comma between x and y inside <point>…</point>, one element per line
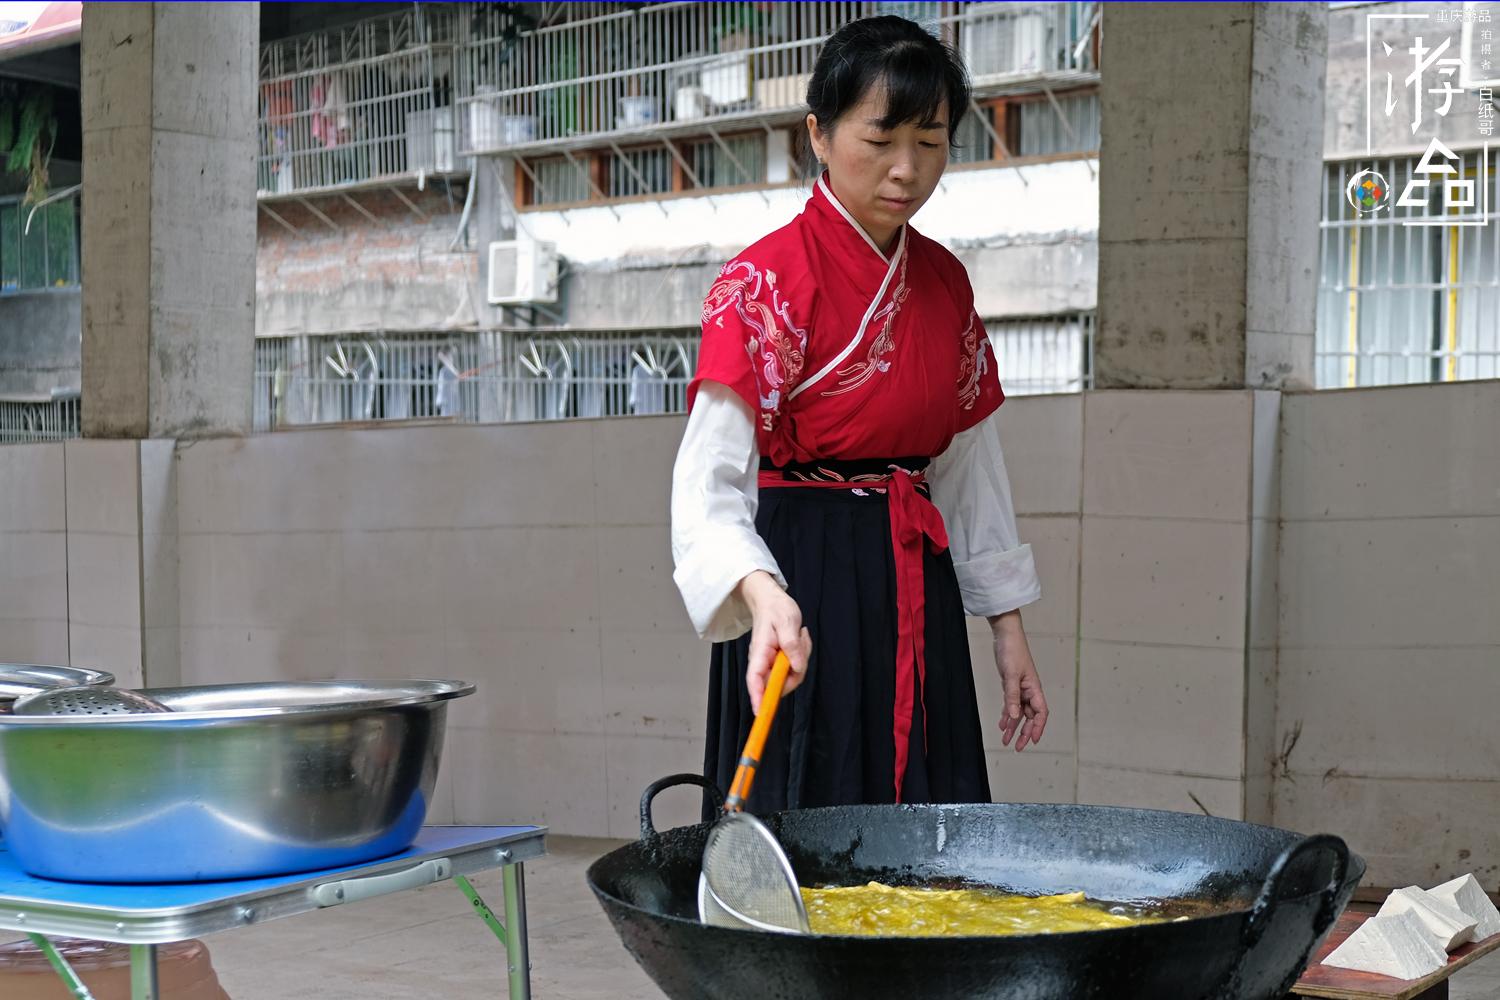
<point>894,911</point>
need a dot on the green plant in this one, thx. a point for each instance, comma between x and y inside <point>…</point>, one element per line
<point>28,131</point>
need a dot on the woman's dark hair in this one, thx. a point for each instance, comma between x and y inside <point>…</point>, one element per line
<point>918,71</point>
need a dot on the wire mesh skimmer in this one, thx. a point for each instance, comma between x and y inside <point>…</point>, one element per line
<point>747,881</point>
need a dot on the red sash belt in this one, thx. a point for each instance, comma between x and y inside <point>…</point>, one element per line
<point>915,520</point>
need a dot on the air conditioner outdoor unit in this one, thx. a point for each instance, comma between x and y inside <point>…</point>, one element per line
<point>1005,38</point>
<point>522,271</point>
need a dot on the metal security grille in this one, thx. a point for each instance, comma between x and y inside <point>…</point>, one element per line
<point>503,376</point>
<point>359,103</point>
<point>698,164</point>
<point>640,171</point>
<point>1402,303</point>
<point>1035,126</point>
<point>486,377</point>
<point>973,142</point>
<point>27,421</point>
<point>1044,354</point>
<point>1070,127</point>
<point>726,162</point>
<point>574,73</point>
<point>38,245</point>
<point>557,181</point>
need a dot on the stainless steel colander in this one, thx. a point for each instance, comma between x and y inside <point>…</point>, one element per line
<point>88,701</point>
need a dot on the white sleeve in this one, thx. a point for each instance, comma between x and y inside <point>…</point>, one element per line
<point>714,497</point>
<point>996,572</point>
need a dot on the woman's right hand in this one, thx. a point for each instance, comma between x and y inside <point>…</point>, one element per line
<point>777,625</point>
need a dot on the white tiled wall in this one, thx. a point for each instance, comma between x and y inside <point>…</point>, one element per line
<point>33,554</point>
<point>1389,634</point>
<point>104,557</point>
<point>160,597</point>
<point>1043,441</point>
<point>1262,610</point>
<point>71,552</point>
<point>1167,485</point>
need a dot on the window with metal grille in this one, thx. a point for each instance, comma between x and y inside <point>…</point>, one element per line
<point>557,181</point>
<point>364,100</point>
<point>476,377</point>
<point>704,164</point>
<point>1030,126</point>
<point>741,159</point>
<point>38,246</point>
<point>558,72</point>
<point>1070,127</point>
<point>973,143</point>
<point>1044,354</point>
<point>639,171</point>
<point>24,421</point>
<point>1409,293</point>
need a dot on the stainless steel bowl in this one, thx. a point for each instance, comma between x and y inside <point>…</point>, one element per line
<point>238,781</point>
<point>20,679</point>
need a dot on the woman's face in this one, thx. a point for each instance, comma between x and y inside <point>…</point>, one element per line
<point>882,177</point>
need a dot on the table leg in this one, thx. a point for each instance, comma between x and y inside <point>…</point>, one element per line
<point>143,972</point>
<point>60,965</point>
<point>514,880</point>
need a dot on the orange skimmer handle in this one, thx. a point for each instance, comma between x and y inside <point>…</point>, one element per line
<point>744,776</point>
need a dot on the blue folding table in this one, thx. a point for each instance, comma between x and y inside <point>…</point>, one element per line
<point>144,916</point>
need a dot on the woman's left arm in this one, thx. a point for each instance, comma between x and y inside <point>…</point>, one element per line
<point>996,571</point>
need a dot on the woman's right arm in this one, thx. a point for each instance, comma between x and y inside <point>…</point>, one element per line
<point>728,578</point>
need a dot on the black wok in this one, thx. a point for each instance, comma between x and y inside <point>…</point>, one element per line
<point>1259,901</point>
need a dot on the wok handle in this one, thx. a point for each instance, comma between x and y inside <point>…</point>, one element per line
<point>672,781</point>
<point>1270,893</point>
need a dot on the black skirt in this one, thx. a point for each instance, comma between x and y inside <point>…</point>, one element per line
<point>832,742</point>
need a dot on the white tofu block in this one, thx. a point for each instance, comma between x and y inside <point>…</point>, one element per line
<point>1468,895</point>
<point>1396,945</point>
<point>1448,925</point>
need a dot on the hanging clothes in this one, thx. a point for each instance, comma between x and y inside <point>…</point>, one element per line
<point>445,396</point>
<point>330,104</point>
<point>648,389</point>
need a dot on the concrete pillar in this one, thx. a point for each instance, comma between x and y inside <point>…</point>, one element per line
<point>169,111</point>
<point>1210,186</point>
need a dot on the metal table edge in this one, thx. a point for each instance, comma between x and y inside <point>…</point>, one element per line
<point>165,925</point>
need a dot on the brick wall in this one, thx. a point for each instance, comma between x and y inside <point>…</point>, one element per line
<point>395,273</point>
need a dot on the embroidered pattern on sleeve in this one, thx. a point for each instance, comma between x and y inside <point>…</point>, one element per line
<point>973,363</point>
<point>777,350</point>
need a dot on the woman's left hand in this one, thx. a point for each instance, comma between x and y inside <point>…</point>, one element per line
<point>1025,705</point>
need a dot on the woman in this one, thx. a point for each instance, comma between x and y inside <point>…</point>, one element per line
<point>844,378</point>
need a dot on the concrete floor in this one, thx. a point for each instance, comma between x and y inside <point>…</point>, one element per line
<point>427,945</point>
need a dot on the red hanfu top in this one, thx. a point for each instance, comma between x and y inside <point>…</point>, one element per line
<point>844,353</point>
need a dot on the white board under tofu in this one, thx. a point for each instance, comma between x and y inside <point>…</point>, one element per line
<point>1448,925</point>
<point>1468,896</point>
<point>1396,945</point>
